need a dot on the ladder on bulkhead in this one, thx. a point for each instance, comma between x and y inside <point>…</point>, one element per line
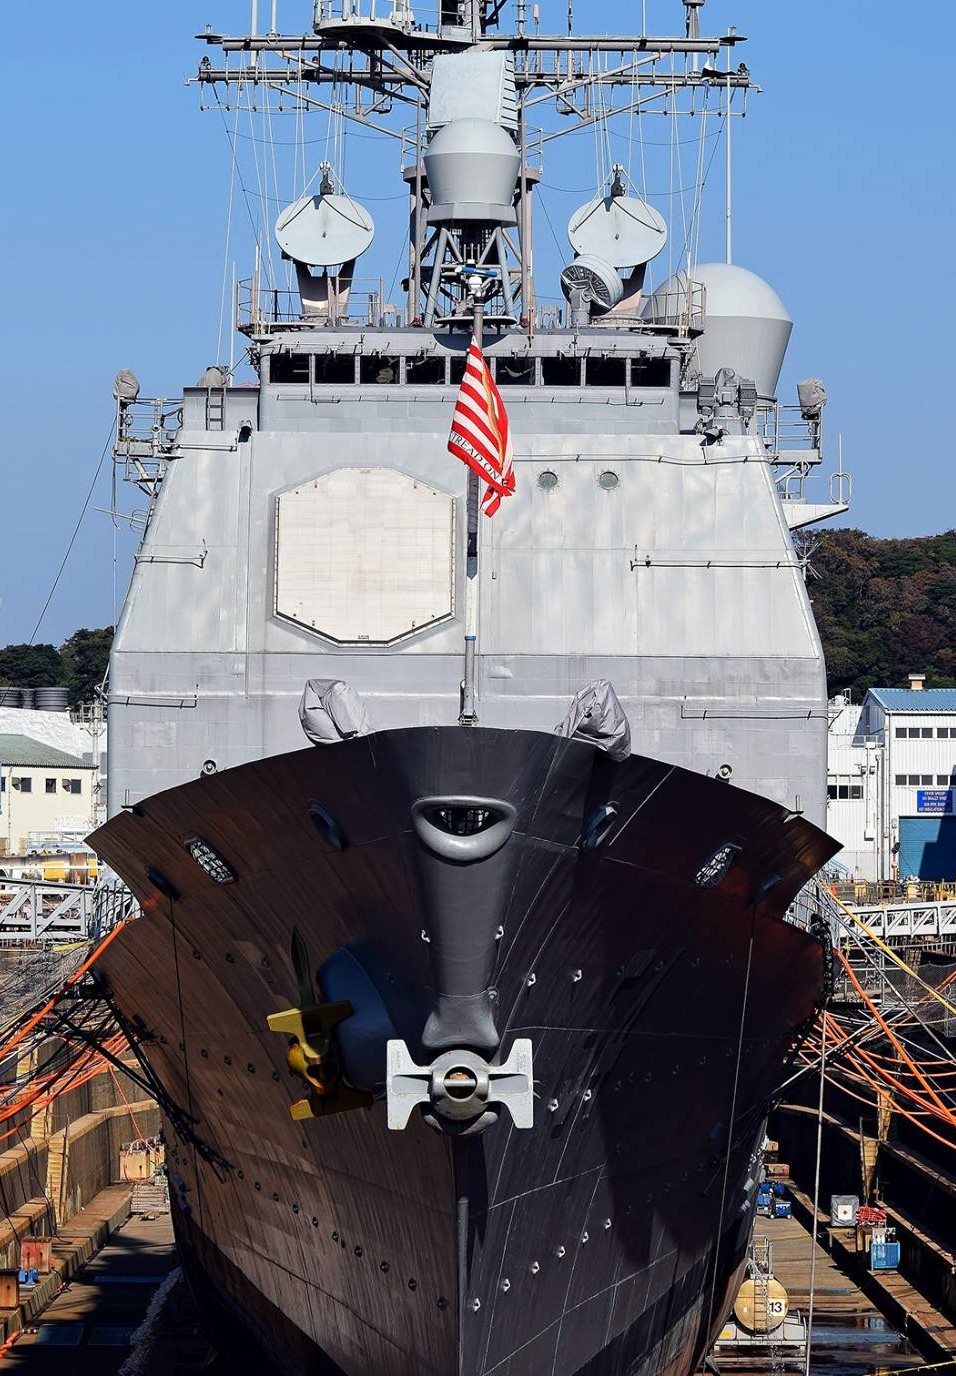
<point>215,408</point>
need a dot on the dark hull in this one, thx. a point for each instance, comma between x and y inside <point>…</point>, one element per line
<point>608,1238</point>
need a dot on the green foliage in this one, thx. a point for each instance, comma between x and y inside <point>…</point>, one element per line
<point>85,657</point>
<point>885,609</point>
<point>30,666</point>
<point>79,664</point>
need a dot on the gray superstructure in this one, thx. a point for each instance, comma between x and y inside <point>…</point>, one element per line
<point>648,541</point>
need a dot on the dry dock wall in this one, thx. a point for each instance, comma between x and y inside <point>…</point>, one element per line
<point>67,1153</point>
<point>920,1199</point>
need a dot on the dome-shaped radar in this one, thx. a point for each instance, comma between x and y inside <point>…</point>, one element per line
<point>324,230</point>
<point>747,327</point>
<point>472,168</point>
<point>623,230</point>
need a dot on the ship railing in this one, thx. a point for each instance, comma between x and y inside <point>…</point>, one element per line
<point>788,435</point>
<point>262,309</point>
<point>37,912</point>
<point>401,14</point>
<point>679,310</point>
<point>146,432</point>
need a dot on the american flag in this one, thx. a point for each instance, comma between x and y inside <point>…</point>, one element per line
<point>480,436</point>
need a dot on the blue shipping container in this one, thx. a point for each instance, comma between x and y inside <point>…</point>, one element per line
<point>884,1256</point>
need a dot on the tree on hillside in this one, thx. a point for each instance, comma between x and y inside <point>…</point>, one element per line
<point>31,666</point>
<point>885,609</point>
<point>85,658</point>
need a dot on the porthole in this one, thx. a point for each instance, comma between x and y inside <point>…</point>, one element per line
<point>608,480</point>
<point>547,480</point>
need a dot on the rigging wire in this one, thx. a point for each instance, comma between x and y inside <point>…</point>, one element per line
<point>733,1115</point>
<point>76,531</point>
<point>225,257</point>
<point>816,1195</point>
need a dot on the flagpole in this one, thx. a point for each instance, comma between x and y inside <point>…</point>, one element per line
<point>468,715</point>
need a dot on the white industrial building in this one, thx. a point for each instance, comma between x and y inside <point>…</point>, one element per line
<point>46,794</point>
<point>891,783</point>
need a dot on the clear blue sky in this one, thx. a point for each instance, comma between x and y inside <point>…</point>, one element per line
<point>114,231</point>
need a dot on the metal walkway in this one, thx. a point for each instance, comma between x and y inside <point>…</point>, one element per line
<point>34,911</point>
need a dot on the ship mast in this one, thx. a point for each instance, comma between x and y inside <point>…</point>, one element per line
<point>361,68</point>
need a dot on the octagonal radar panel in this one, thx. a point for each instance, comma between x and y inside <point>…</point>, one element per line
<point>324,230</point>
<point>623,230</point>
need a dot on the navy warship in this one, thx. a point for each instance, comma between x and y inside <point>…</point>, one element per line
<point>465,1009</point>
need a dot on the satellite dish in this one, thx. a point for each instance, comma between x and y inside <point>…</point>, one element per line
<point>624,230</point>
<point>324,230</point>
<point>595,278</point>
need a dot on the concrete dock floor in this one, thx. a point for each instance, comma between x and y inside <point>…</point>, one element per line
<point>98,1322</point>
<point>127,1312</point>
<point>850,1336</point>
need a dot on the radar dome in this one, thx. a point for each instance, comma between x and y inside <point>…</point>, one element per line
<point>472,168</point>
<point>747,327</point>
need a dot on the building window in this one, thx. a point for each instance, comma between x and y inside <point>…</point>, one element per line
<point>514,372</point>
<point>913,780</point>
<point>926,779</point>
<point>3,784</point>
<point>901,780</point>
<point>901,733</point>
<point>379,368</point>
<point>650,372</point>
<point>926,732</point>
<point>425,372</point>
<point>289,367</point>
<point>605,372</point>
<point>72,785</point>
<point>561,372</point>
<point>942,733</point>
<point>335,368</point>
<point>24,784</point>
<point>913,733</point>
<point>944,780</point>
<point>50,785</point>
<point>840,788</point>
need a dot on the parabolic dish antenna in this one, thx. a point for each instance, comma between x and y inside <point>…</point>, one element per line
<point>324,230</point>
<point>623,230</point>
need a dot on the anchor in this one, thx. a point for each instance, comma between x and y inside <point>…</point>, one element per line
<point>312,1055</point>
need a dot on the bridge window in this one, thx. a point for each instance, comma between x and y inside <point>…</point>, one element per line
<point>650,372</point>
<point>285,367</point>
<point>605,372</point>
<point>334,368</point>
<point>379,368</point>
<point>515,372</point>
<point>561,372</point>
<point>425,372</point>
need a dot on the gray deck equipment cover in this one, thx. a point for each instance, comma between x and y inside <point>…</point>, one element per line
<point>597,717</point>
<point>331,711</point>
